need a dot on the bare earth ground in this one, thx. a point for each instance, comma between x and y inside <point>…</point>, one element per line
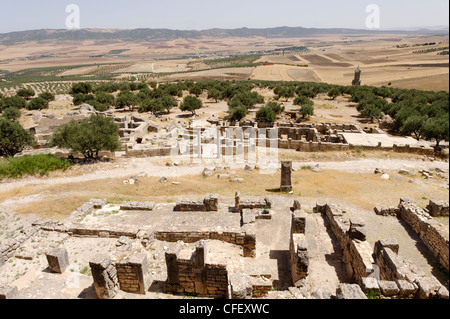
<point>347,181</point>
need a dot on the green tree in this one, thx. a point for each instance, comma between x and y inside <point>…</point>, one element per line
<point>105,98</point>
<point>89,137</point>
<point>154,106</point>
<point>266,115</point>
<point>126,99</point>
<point>26,93</point>
<point>13,138</point>
<point>37,104</point>
<point>11,113</point>
<point>196,90</point>
<point>302,100</point>
<point>168,102</point>
<point>82,87</point>
<point>436,129</point>
<point>191,104</point>
<point>214,94</point>
<point>47,96</point>
<point>307,110</point>
<point>276,107</point>
<point>286,92</point>
<point>14,101</point>
<point>414,125</point>
<point>371,111</point>
<point>237,111</point>
<point>334,93</point>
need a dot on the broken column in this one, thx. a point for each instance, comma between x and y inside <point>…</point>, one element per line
<point>286,176</point>
<point>105,277</point>
<point>58,260</point>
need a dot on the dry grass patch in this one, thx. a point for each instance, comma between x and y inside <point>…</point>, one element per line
<point>363,191</point>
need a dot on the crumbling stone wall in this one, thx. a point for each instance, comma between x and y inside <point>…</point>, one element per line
<point>250,203</point>
<point>209,204</point>
<point>195,276</point>
<point>435,237</point>
<point>397,278</point>
<point>9,247</point>
<point>104,274</point>
<point>298,247</point>
<point>246,239</point>
<point>438,208</point>
<point>357,253</point>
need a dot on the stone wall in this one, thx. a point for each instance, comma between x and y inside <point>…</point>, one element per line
<point>104,274</point>
<point>398,278</point>
<point>438,208</point>
<point>9,246</point>
<point>357,253</point>
<point>195,276</point>
<point>435,236</point>
<point>246,239</point>
<point>250,203</point>
<point>209,204</point>
<point>132,274</point>
<point>298,247</point>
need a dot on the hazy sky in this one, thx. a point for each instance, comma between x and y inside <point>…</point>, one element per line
<point>18,15</point>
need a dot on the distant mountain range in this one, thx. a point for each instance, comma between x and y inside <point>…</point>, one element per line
<point>167,34</point>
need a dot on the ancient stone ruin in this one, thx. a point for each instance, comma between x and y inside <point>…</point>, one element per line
<point>237,249</point>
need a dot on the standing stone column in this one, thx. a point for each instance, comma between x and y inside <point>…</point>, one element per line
<point>286,176</point>
<point>105,277</point>
<point>199,269</point>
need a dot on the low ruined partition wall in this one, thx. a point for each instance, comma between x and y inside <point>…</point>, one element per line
<point>398,149</point>
<point>398,278</point>
<point>245,239</point>
<point>151,152</point>
<point>194,275</point>
<point>435,237</point>
<point>357,254</point>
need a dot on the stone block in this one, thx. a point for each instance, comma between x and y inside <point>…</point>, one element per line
<point>391,243</point>
<point>2,260</point>
<point>428,287</point>
<point>389,288</point>
<point>299,222</point>
<point>438,208</point>
<point>105,276</point>
<point>369,284</point>
<point>350,291</point>
<point>297,205</point>
<point>9,292</point>
<point>443,293</point>
<point>241,287</point>
<point>137,206</point>
<point>98,203</point>
<point>406,288</point>
<point>58,260</point>
<point>211,203</point>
